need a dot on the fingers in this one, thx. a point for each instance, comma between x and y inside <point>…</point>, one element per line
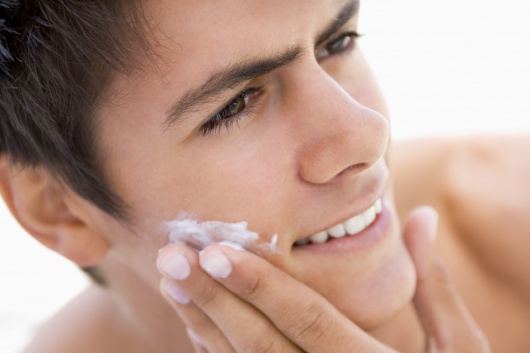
<point>255,306</point>
<point>223,321</point>
<point>197,343</point>
<point>251,306</point>
<point>444,316</point>
<point>202,332</point>
<point>300,313</point>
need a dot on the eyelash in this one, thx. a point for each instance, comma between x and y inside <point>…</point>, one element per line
<point>351,35</point>
<point>225,118</point>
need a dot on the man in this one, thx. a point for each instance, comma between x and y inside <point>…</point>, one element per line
<point>119,116</point>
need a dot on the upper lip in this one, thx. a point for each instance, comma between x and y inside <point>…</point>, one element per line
<point>373,192</point>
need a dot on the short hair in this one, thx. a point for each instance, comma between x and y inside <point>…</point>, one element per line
<point>57,60</point>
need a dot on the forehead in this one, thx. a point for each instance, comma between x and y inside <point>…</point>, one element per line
<point>215,18</point>
<point>216,33</point>
<point>192,39</point>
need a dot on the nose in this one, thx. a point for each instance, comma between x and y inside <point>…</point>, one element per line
<point>339,136</point>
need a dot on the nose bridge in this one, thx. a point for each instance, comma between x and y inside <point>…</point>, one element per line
<point>338,135</point>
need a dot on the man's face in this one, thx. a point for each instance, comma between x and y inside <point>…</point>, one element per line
<point>265,112</point>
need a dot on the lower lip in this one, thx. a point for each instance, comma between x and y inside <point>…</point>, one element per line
<point>375,233</point>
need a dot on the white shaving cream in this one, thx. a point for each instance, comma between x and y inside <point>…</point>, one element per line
<point>201,234</point>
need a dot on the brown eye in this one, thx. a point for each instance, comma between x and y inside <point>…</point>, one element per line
<point>237,105</point>
<point>232,112</point>
<point>339,45</point>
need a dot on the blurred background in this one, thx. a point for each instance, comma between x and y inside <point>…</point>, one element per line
<point>448,67</point>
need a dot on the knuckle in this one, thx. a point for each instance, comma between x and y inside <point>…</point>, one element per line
<point>207,296</point>
<point>261,345</point>
<point>199,323</point>
<point>261,339</point>
<point>440,273</point>
<point>250,288</point>
<point>312,325</point>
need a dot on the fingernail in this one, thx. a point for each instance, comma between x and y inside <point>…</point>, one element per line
<point>228,243</point>
<point>176,266</point>
<point>176,293</point>
<point>216,264</point>
<point>232,245</point>
<point>193,336</point>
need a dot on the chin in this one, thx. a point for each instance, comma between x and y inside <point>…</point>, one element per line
<point>381,298</point>
<point>369,276</point>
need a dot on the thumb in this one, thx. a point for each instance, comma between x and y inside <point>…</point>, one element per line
<point>442,312</point>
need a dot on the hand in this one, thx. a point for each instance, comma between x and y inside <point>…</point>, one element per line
<point>235,301</point>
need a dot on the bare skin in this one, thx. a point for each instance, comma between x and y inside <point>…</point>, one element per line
<point>456,177</point>
<point>482,193</point>
<point>277,120</point>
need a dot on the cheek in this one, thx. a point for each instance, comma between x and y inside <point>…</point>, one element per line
<point>237,182</point>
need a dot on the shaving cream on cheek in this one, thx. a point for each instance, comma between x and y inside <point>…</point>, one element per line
<point>201,234</point>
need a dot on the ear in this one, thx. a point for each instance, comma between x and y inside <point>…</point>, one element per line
<point>49,212</point>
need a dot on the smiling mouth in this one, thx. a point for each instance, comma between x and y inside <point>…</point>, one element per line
<point>351,226</point>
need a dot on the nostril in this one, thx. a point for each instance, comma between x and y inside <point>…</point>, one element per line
<point>353,169</point>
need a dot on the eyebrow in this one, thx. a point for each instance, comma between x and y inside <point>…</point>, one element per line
<point>347,13</point>
<point>234,75</point>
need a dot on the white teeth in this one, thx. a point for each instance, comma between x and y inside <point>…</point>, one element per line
<point>378,206</point>
<point>355,224</point>
<point>351,226</point>
<point>369,215</point>
<point>337,231</point>
<point>320,237</point>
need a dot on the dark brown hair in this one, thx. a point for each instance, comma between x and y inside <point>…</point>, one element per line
<point>57,58</point>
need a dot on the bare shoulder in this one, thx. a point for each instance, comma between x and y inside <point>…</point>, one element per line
<point>86,325</point>
<point>482,183</point>
<point>418,166</point>
<point>494,168</point>
<point>488,192</point>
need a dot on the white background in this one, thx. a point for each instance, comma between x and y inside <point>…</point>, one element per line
<point>447,67</point>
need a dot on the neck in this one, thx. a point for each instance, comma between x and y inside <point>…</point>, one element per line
<point>148,319</point>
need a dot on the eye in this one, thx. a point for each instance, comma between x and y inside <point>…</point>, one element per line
<point>344,43</point>
<point>237,105</point>
<point>231,113</point>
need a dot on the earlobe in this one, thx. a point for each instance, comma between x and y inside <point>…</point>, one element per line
<point>42,208</point>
